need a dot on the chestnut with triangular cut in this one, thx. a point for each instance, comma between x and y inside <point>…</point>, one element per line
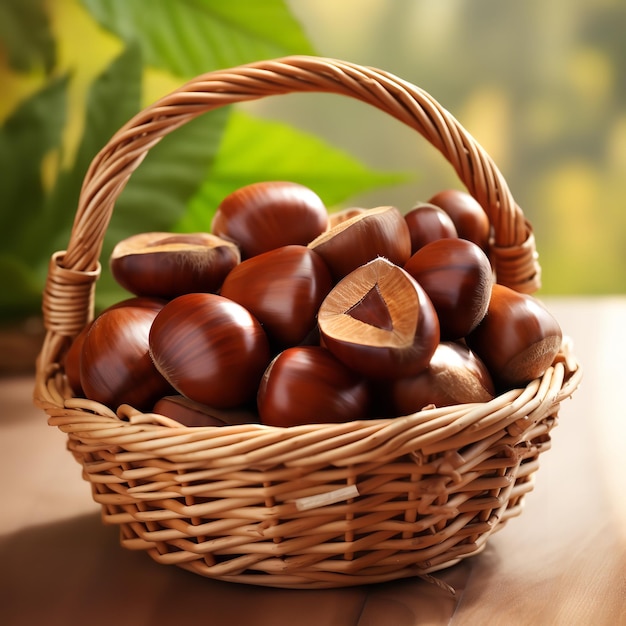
<point>379,322</point>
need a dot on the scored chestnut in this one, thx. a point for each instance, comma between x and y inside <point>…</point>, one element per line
<point>518,339</point>
<point>267,215</point>
<point>115,364</point>
<point>427,223</point>
<point>455,375</point>
<point>283,288</point>
<point>308,385</point>
<point>167,265</point>
<point>379,322</point>
<point>457,276</point>
<point>381,231</point>
<point>470,219</point>
<point>210,349</point>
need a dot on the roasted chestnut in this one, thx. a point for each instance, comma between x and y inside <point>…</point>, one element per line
<point>379,232</point>
<point>518,339</point>
<point>308,385</point>
<point>379,322</point>
<point>455,375</point>
<point>470,219</point>
<point>457,276</point>
<point>427,223</point>
<point>210,349</point>
<point>167,265</point>
<point>283,288</point>
<point>267,215</point>
<point>115,364</point>
<point>195,414</point>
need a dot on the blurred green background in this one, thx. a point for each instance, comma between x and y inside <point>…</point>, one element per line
<point>541,85</point>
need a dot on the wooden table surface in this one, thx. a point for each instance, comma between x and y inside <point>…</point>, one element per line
<point>563,561</point>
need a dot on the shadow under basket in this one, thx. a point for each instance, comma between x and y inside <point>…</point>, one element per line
<point>321,505</point>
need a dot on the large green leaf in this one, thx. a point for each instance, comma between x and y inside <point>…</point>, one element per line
<point>255,150</point>
<point>157,193</point>
<point>25,34</point>
<point>190,37</point>
<point>114,98</point>
<point>26,136</point>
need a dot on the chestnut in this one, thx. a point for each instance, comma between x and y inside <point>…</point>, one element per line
<point>307,385</point>
<point>381,231</point>
<point>115,364</point>
<point>470,219</point>
<point>283,288</point>
<point>195,414</point>
<point>267,215</point>
<point>167,265</point>
<point>457,276</point>
<point>71,361</point>
<point>345,214</point>
<point>379,322</point>
<point>427,223</point>
<point>210,349</point>
<point>455,375</point>
<point>518,339</point>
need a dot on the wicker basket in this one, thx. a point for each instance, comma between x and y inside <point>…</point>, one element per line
<point>325,505</point>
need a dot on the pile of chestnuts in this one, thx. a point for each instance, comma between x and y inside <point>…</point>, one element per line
<point>285,314</point>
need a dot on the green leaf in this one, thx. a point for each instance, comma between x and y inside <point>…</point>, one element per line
<point>20,291</point>
<point>25,34</point>
<point>157,193</point>
<point>113,99</point>
<point>190,37</point>
<point>256,150</point>
<point>33,130</point>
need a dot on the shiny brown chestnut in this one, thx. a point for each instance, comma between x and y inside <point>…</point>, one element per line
<point>283,288</point>
<point>455,375</point>
<point>381,231</point>
<point>210,349</point>
<point>167,265</point>
<point>71,361</point>
<point>427,223</point>
<point>195,414</point>
<point>518,339</point>
<point>470,219</point>
<point>457,276</point>
<point>306,385</point>
<point>115,364</point>
<point>379,322</point>
<point>267,215</point>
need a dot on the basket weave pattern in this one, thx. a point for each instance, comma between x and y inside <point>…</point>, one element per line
<point>324,505</point>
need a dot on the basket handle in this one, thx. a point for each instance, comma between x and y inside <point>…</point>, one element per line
<point>68,296</point>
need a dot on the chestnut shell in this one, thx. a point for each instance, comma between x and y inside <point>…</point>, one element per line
<point>210,349</point>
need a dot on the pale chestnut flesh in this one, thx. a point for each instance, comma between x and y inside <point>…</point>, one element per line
<point>379,322</point>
